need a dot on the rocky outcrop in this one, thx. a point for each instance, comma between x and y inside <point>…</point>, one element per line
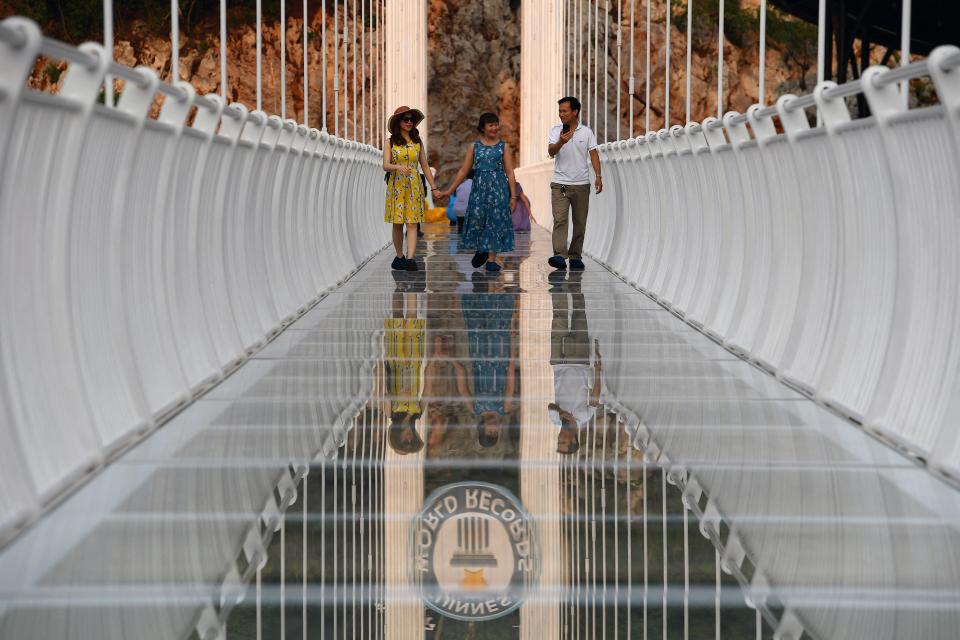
<point>474,67</point>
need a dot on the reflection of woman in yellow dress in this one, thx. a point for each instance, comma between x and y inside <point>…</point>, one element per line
<point>404,345</point>
<point>402,153</point>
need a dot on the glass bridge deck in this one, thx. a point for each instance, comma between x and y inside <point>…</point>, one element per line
<point>533,454</point>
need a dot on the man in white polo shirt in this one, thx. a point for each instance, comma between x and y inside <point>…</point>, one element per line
<point>572,144</point>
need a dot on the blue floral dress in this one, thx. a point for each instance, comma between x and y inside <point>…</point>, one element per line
<point>488,317</point>
<point>489,226</point>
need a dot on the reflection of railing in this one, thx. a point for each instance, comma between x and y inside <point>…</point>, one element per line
<point>143,259</point>
<point>825,255</point>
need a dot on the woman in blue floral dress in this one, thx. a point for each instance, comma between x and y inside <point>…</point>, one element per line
<point>489,227</point>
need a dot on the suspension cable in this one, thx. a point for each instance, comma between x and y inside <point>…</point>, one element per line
<point>223,50</point>
<point>323,64</point>
<point>666,69</point>
<point>905,49</point>
<point>336,71</point>
<point>632,88</point>
<point>762,89</point>
<point>606,71</point>
<point>108,46</point>
<point>619,69</point>
<point>596,66</point>
<point>663,528</point>
<point>306,60</point>
<point>646,106</point>
<point>174,41</point>
<point>283,62</point>
<point>720,65</point>
<point>353,45</point>
<point>259,55</point>
<point>346,70</point>
<point>689,57</point>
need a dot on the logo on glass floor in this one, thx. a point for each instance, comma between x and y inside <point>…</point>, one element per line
<point>475,551</point>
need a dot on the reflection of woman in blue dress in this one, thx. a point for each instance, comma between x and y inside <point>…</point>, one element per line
<point>489,318</point>
<point>489,227</point>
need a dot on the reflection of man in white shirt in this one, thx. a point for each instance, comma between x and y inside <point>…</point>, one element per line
<point>577,384</point>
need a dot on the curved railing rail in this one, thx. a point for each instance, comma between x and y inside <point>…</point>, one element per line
<point>825,255</point>
<point>143,259</point>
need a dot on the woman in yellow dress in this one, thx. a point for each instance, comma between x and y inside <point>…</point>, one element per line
<point>402,153</point>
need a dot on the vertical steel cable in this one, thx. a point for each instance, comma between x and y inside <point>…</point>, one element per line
<point>259,613</point>
<point>336,70</point>
<point>821,45</point>
<point>364,131</point>
<point>593,500</point>
<point>686,571</point>
<point>759,625</point>
<point>303,553</point>
<point>629,509</point>
<point>174,40</point>
<point>646,106</point>
<point>306,60</point>
<point>632,88</point>
<point>603,514</point>
<point>353,493</point>
<point>596,66</point>
<point>259,55</point>
<point>616,527</point>
<point>283,573</point>
<point>335,516</point>
<point>343,480</point>
<point>346,71</point>
<point>578,48</point>
<point>720,65</point>
<point>689,56</point>
<point>606,70</point>
<point>646,567</point>
<point>108,46</point>
<point>580,519</point>
<point>353,45</point>
<point>283,61</point>
<point>663,528</point>
<point>589,62</point>
<point>323,524</point>
<point>762,89</point>
<point>716,598</point>
<point>223,50</point>
<point>619,69</point>
<point>905,49</point>
<point>323,65</point>
<point>666,69</point>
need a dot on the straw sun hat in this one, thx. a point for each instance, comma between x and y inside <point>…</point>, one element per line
<point>401,111</point>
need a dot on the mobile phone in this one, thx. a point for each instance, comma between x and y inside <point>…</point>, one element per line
<point>566,128</point>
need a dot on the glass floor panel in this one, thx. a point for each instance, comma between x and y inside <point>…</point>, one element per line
<point>531,454</point>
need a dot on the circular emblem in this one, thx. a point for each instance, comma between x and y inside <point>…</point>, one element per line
<point>475,551</point>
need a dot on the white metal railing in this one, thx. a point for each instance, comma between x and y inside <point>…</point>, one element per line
<point>826,255</point>
<point>141,259</point>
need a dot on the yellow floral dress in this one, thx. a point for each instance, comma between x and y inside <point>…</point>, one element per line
<point>405,197</point>
<point>404,345</point>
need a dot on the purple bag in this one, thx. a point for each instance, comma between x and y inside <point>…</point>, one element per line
<point>521,215</point>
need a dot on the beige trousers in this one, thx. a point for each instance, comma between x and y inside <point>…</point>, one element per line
<point>563,197</point>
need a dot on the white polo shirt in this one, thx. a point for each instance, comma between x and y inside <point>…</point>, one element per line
<point>572,164</point>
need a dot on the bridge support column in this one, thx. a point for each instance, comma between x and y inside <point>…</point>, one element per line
<point>541,85</point>
<point>405,32</point>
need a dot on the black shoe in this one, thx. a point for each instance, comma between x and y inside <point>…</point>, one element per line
<point>412,264</point>
<point>399,263</point>
<point>577,264</point>
<point>479,258</point>
<point>493,266</point>
<point>557,262</point>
